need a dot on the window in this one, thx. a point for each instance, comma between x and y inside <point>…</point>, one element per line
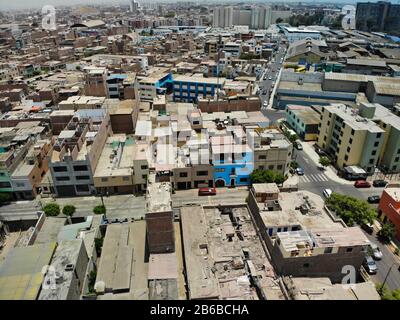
<point>346,157</point>
<point>20,184</point>
<point>261,167</point>
<point>350,141</point>
<point>396,159</point>
<point>280,167</point>
<point>378,135</point>
<point>80,168</point>
<point>145,167</point>
<point>126,178</point>
<point>202,173</point>
<point>349,249</point>
<point>328,250</point>
<point>60,169</point>
<point>219,169</point>
<point>144,176</point>
<point>352,132</point>
<point>306,265</point>
<point>348,149</point>
<point>62,178</point>
<point>183,174</point>
<point>271,167</point>
<point>262,157</point>
<point>324,138</point>
<point>104,179</point>
<point>376,144</point>
<point>82,177</point>
<point>371,161</point>
<point>243,179</point>
<point>373,153</point>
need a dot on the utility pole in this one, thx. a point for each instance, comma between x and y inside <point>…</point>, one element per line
<point>387,275</point>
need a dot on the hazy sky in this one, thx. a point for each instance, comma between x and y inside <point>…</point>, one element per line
<point>21,4</point>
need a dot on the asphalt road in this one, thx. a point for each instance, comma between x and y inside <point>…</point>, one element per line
<point>388,261</point>
<point>272,72</point>
<point>314,180</point>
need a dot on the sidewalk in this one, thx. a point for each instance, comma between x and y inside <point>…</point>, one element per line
<point>330,172</point>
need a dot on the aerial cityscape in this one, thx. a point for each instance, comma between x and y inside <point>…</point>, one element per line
<point>154,150</point>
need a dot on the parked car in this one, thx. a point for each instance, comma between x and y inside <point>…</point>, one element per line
<point>207,192</point>
<point>374,199</point>
<point>319,151</point>
<point>370,265</point>
<point>368,228</point>
<point>327,193</point>
<point>376,252</point>
<point>362,184</point>
<point>300,171</point>
<point>379,183</point>
<point>269,78</point>
<point>265,103</point>
<point>298,146</point>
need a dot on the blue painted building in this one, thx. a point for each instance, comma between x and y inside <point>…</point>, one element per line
<point>233,163</point>
<point>188,89</point>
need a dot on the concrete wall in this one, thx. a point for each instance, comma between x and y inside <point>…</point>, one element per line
<point>315,77</point>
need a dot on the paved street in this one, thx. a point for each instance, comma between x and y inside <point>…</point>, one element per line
<point>270,75</point>
<point>118,206</point>
<point>388,260</point>
<point>315,180</point>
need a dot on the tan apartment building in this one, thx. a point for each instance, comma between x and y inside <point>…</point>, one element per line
<point>349,138</point>
<point>28,175</point>
<point>82,102</point>
<point>95,81</point>
<point>122,166</point>
<point>272,151</point>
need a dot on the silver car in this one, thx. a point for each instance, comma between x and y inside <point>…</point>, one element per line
<point>370,265</point>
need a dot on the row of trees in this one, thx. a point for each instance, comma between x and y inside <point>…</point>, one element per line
<point>355,211</point>
<point>351,210</point>
<point>267,176</point>
<point>53,210</point>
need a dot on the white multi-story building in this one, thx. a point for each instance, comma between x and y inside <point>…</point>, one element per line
<point>223,17</point>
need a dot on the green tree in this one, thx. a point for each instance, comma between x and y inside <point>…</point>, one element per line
<point>4,197</point>
<point>324,161</point>
<point>279,20</point>
<point>51,209</point>
<point>267,176</point>
<point>100,209</point>
<point>294,165</point>
<point>387,232</point>
<point>98,244</point>
<point>387,294</point>
<point>69,210</point>
<point>351,210</point>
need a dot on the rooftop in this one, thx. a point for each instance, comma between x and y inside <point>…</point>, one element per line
<point>21,274</point>
<point>65,257</point>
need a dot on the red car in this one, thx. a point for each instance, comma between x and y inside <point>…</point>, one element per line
<point>362,184</point>
<point>207,192</point>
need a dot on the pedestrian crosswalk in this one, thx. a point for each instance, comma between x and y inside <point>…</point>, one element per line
<point>314,178</point>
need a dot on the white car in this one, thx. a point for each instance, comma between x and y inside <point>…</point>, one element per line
<point>327,193</point>
<point>265,103</point>
<point>376,252</point>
